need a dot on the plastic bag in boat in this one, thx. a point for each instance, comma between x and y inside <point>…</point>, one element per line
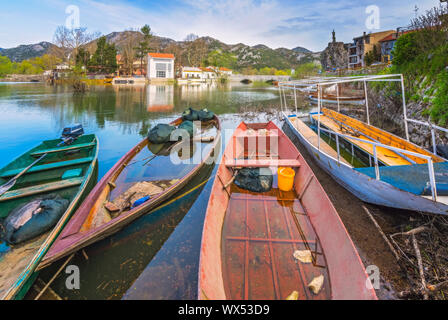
<point>187,126</point>
<point>205,115</point>
<point>255,179</point>
<point>190,115</point>
<point>33,219</point>
<point>161,133</point>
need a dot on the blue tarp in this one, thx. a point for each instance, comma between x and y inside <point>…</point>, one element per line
<point>412,178</point>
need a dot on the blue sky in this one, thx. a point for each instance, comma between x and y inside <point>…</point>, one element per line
<point>276,23</point>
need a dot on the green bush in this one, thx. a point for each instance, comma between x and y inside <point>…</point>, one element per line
<point>439,110</point>
<point>5,66</point>
<point>405,49</point>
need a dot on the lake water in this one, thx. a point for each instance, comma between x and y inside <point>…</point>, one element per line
<point>157,256</point>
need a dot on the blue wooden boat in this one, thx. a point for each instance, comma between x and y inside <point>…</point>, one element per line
<point>403,187</point>
<point>392,171</point>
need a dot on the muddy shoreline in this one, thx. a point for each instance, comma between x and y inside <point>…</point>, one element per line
<point>396,278</point>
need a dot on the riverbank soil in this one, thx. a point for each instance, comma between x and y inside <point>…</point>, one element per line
<point>399,280</point>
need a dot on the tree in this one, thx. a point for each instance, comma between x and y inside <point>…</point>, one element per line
<point>71,40</point>
<point>82,58</point>
<point>141,51</point>
<point>49,61</point>
<point>405,49</point>
<point>219,58</point>
<point>128,50</point>
<point>175,49</point>
<point>5,66</point>
<point>104,60</point>
<point>432,28</point>
<point>196,50</point>
<point>191,37</point>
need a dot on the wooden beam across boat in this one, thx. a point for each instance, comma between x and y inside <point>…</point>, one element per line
<point>47,166</point>
<point>41,188</point>
<point>263,163</point>
<point>333,121</point>
<point>63,149</point>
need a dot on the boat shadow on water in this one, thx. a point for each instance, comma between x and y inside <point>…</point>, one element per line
<point>141,248</point>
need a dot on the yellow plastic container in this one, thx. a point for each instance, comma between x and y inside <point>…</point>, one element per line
<point>286,179</point>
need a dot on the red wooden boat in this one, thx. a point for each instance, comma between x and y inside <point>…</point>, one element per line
<point>253,243</point>
<point>93,220</point>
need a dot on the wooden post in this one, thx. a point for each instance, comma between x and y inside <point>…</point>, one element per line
<point>367,102</point>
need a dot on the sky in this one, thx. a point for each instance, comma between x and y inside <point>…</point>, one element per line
<point>275,23</point>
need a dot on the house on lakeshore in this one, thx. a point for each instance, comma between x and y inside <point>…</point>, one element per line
<point>388,44</point>
<point>364,44</point>
<point>225,72</point>
<point>160,67</point>
<point>195,74</point>
<point>209,74</point>
<point>192,73</point>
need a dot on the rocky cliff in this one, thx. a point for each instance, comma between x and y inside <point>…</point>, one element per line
<point>335,56</point>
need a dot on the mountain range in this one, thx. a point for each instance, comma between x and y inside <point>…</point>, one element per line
<point>258,56</point>
<point>25,52</point>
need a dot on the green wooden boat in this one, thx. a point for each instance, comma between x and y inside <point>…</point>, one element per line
<point>68,172</point>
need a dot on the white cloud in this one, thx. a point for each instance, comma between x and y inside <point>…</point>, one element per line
<point>276,23</point>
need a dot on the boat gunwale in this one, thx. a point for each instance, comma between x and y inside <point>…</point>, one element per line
<point>54,233</point>
<point>83,239</point>
<point>428,202</point>
<point>333,272</point>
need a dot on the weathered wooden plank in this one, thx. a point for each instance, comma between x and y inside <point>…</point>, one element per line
<point>383,136</point>
<point>42,188</point>
<point>48,166</point>
<point>386,156</point>
<point>312,138</point>
<point>61,149</point>
<point>263,163</point>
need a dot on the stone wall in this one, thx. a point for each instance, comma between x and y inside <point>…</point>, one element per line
<point>24,78</point>
<point>253,78</point>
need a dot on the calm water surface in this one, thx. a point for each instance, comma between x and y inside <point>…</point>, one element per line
<point>157,256</point>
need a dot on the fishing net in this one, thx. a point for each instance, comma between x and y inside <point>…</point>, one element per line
<point>161,133</point>
<point>255,179</point>
<point>33,219</point>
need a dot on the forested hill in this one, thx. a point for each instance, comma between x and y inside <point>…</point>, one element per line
<point>190,52</point>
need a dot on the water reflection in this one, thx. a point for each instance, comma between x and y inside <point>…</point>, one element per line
<point>114,264</point>
<point>160,98</point>
<point>161,244</point>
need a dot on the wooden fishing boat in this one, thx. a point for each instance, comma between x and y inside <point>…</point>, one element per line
<point>252,243</point>
<point>392,171</point>
<point>69,172</point>
<point>144,169</point>
<point>334,99</point>
<point>398,180</point>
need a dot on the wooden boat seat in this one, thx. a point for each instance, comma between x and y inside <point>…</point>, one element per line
<point>42,188</point>
<point>263,163</point>
<point>62,149</point>
<point>48,166</point>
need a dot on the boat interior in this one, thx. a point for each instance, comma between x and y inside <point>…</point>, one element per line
<point>61,172</point>
<point>262,232</point>
<point>149,171</point>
